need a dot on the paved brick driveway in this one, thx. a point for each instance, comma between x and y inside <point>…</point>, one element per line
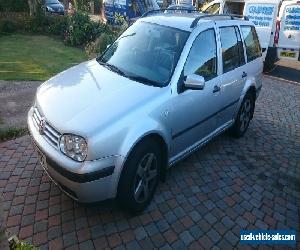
<point>250,183</point>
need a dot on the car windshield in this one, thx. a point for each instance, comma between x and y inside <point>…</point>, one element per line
<point>145,52</point>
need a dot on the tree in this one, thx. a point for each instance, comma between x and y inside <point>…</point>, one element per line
<point>102,12</point>
<point>32,7</point>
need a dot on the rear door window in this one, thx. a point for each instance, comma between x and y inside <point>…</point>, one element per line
<point>252,45</point>
<point>231,48</point>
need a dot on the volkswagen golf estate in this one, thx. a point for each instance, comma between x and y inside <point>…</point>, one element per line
<point>112,126</point>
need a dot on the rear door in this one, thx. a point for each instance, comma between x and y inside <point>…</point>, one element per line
<point>289,34</point>
<point>234,71</point>
<point>263,14</point>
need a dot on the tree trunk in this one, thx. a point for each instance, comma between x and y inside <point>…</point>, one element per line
<point>32,7</point>
<point>102,12</point>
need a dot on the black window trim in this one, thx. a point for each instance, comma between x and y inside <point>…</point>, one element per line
<point>238,33</point>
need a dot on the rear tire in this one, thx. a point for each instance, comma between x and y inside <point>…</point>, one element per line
<point>140,176</point>
<point>244,116</point>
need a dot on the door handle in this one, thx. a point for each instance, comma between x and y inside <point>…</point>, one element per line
<point>216,89</point>
<point>244,74</point>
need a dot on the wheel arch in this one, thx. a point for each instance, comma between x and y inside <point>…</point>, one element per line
<point>163,147</point>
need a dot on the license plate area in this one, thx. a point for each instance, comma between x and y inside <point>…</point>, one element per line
<point>290,54</point>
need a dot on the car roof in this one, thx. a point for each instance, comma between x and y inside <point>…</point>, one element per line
<point>175,20</point>
<point>188,21</point>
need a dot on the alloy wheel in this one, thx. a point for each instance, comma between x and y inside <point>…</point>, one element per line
<point>245,115</point>
<point>146,177</point>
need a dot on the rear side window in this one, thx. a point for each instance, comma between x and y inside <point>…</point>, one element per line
<point>232,51</point>
<point>253,49</point>
<point>202,59</point>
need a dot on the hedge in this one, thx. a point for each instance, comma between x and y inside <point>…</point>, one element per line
<point>14,6</point>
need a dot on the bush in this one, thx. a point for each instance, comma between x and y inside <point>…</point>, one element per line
<point>94,49</point>
<point>14,6</point>
<point>82,30</point>
<point>97,47</point>
<point>7,26</point>
<point>57,25</point>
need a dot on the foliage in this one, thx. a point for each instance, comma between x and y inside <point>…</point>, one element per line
<point>82,30</point>
<point>57,25</point>
<point>93,49</point>
<point>35,57</point>
<point>14,6</point>
<point>82,5</point>
<point>7,26</point>
<point>97,47</point>
<point>10,133</point>
<point>16,244</point>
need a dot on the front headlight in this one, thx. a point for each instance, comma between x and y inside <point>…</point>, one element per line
<point>73,146</point>
<point>49,8</point>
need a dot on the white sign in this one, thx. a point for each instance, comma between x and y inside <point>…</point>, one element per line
<point>261,14</point>
<point>292,18</point>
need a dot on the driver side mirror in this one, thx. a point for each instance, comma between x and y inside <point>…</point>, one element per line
<point>195,82</point>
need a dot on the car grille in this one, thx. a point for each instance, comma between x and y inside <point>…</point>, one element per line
<point>50,133</point>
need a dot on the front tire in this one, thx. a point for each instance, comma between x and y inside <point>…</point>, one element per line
<point>244,116</point>
<point>140,176</point>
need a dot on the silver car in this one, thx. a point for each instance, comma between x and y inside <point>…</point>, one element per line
<point>112,126</point>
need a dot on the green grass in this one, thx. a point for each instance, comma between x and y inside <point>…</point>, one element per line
<point>35,57</point>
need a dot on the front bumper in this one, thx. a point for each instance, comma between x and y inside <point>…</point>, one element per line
<point>77,179</point>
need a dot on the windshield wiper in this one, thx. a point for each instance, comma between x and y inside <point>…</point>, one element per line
<point>112,67</point>
<point>132,34</point>
<point>144,80</point>
<point>140,79</point>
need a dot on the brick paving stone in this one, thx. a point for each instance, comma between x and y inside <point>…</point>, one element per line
<point>140,233</point>
<point>83,235</point>
<point>54,232</point>
<point>40,226</point>
<point>133,245</point>
<point>158,240</point>
<point>162,225</point>
<point>226,186</point>
<point>69,239</point>
<point>147,244</point>
<point>170,236</point>
<point>40,238</point>
<point>214,235</point>
<point>100,242</point>
<point>178,245</point>
<point>27,220</point>
<point>186,237</point>
<point>86,245</point>
<point>26,232</point>
<point>127,236</point>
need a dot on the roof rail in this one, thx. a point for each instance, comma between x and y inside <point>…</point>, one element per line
<point>231,17</point>
<point>166,10</point>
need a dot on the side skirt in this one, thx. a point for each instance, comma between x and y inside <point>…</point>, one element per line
<point>184,154</point>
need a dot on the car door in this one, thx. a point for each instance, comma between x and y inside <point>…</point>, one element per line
<point>193,116</point>
<point>234,72</point>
